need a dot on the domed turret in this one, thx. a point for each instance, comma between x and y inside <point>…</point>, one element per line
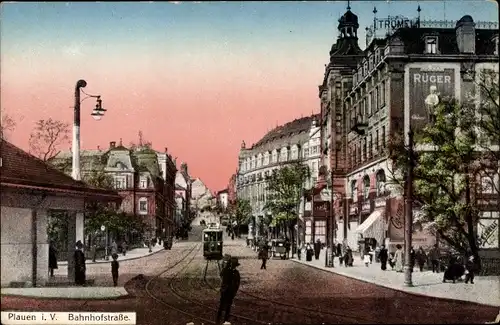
<point>348,24</point>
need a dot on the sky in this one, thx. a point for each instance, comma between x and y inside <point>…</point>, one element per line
<point>197,78</point>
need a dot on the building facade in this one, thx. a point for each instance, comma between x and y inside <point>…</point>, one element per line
<point>284,144</point>
<point>231,189</point>
<point>368,96</point>
<point>183,188</point>
<point>138,178</point>
<point>223,198</point>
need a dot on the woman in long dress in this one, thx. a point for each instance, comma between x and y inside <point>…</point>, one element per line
<point>398,259</point>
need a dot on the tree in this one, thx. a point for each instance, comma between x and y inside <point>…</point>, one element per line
<point>285,186</point>
<point>445,174</point>
<point>241,213</point>
<point>7,124</point>
<point>98,214</point>
<point>47,136</point>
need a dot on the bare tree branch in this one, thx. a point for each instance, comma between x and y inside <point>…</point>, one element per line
<point>46,138</point>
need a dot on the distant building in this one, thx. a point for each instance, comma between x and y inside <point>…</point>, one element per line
<point>285,144</point>
<point>183,188</point>
<point>223,198</point>
<point>137,176</point>
<point>231,189</point>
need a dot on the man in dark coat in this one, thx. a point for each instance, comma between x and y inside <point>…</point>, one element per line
<point>264,255</point>
<point>229,287</point>
<point>52,258</point>
<point>79,257</point>
<point>383,255</point>
<point>317,249</point>
<point>454,270</point>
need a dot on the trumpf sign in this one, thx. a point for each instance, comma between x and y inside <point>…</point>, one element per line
<point>396,23</point>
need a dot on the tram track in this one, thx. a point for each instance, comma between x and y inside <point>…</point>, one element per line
<point>311,313</point>
<point>201,307</point>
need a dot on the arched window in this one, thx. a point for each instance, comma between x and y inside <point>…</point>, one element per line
<point>354,191</point>
<point>366,186</point>
<point>380,176</point>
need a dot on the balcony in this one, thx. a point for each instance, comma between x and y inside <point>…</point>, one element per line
<point>359,126</point>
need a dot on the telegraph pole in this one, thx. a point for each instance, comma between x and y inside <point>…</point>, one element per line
<point>409,213</point>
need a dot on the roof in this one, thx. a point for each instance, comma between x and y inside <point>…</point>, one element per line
<point>414,41</point>
<point>294,127</point>
<point>23,171</point>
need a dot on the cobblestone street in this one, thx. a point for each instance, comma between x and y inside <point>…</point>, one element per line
<point>287,292</point>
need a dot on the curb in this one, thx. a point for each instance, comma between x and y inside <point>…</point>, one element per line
<point>104,298</point>
<point>123,260</point>
<point>397,288</point>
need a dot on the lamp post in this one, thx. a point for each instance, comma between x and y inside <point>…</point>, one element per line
<point>97,114</point>
<point>409,213</point>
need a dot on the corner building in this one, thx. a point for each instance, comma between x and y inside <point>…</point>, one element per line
<point>367,96</point>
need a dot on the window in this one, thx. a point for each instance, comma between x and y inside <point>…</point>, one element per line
<point>365,152</point>
<point>364,111</point>
<point>143,205</point>
<point>275,156</point>
<point>354,189</point>
<point>431,45</point>
<point>376,102</point>
<point>376,141</point>
<point>487,185</point>
<point>320,230</point>
<point>382,94</point>
<point>366,187</point>
<point>383,137</point>
<point>370,147</point>
<point>314,167</point>
<point>308,237</point>
<point>380,178</point>
<point>120,182</point>
<point>488,230</point>
<point>143,182</point>
<point>306,152</point>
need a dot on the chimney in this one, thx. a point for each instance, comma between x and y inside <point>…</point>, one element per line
<point>466,35</point>
<point>166,150</point>
<point>99,148</point>
<point>112,144</point>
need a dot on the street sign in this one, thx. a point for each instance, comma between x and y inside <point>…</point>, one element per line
<point>103,228</point>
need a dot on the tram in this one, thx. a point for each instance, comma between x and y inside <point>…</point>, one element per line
<point>212,242</point>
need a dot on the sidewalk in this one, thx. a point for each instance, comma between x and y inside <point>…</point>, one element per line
<point>131,255</point>
<point>485,290</point>
<point>96,291</point>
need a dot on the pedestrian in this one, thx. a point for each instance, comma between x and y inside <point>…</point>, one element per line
<point>287,248</point>
<point>79,258</point>
<point>412,258</point>
<point>263,255</point>
<point>349,258</point>
<point>434,255</point>
<point>124,247</point>
<point>299,251</point>
<point>114,248</point>
<point>383,256</point>
<point>366,256</point>
<point>421,258</point>
<point>93,252</point>
<point>392,261</point>
<point>114,269</point>
<point>454,270</point>
<point>229,287</point>
<point>52,258</point>
<point>470,267</point>
<point>309,252</point>
<point>398,258</point>
<point>317,249</point>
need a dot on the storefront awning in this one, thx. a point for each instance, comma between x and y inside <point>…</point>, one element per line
<point>373,226</point>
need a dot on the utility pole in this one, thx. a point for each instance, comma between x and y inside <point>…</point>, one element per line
<point>409,213</point>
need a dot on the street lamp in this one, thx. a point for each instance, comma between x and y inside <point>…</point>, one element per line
<point>97,114</point>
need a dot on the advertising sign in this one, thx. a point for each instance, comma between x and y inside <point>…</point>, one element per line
<point>426,90</point>
<point>321,208</point>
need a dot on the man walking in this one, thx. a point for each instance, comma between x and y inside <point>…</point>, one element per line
<point>229,287</point>
<point>434,255</point>
<point>263,255</point>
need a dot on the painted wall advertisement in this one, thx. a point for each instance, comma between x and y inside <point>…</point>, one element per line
<point>426,90</point>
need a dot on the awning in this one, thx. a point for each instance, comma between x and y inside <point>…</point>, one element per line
<point>373,226</point>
